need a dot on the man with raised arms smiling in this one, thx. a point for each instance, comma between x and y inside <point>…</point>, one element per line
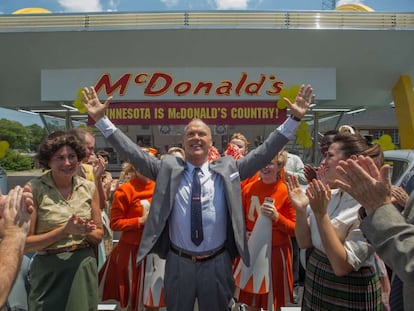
<point>201,269</point>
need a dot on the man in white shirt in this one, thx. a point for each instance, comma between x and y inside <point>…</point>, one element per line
<point>294,166</point>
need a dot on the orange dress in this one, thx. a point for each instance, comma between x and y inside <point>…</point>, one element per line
<point>249,180</point>
<point>282,230</point>
<point>121,278</point>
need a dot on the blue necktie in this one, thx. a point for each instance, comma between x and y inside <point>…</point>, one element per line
<point>396,296</point>
<point>196,216</point>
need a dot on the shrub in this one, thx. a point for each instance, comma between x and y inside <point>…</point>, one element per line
<point>15,161</point>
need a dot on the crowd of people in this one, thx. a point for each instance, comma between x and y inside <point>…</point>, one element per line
<point>208,229</point>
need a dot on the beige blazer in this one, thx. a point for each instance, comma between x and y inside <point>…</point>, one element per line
<point>392,236</point>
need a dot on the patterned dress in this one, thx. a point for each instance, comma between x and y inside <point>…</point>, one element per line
<point>358,290</point>
<point>281,249</point>
<point>121,278</point>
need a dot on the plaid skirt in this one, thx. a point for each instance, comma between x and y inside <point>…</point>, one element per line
<point>358,290</point>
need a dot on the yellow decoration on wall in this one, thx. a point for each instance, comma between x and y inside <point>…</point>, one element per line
<point>354,7</point>
<point>385,141</point>
<point>77,103</point>
<point>4,146</point>
<point>288,93</point>
<point>303,135</point>
<point>403,95</point>
<point>32,11</point>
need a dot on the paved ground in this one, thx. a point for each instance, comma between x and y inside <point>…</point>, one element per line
<point>113,305</point>
<point>21,178</point>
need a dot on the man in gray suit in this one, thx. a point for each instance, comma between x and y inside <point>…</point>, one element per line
<point>201,269</point>
<point>390,232</point>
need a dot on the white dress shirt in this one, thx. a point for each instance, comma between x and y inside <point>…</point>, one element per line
<point>214,211</point>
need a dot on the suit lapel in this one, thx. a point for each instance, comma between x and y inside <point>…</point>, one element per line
<point>175,182</point>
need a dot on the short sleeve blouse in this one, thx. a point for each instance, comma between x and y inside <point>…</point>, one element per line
<point>54,211</point>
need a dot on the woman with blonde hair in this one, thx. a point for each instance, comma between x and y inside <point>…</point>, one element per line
<point>268,196</point>
<point>238,147</point>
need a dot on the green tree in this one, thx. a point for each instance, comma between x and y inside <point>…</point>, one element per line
<point>36,135</point>
<point>56,125</point>
<point>15,133</point>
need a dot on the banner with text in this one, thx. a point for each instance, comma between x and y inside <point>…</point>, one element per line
<point>160,113</point>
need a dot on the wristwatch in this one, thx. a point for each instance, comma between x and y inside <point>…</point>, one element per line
<point>295,118</point>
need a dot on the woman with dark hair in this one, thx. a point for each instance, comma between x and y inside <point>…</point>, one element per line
<point>65,227</point>
<point>341,270</point>
<point>326,140</point>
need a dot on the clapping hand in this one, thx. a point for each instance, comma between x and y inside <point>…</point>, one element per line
<point>367,184</point>
<point>399,196</point>
<point>99,165</point>
<point>310,172</point>
<point>15,212</point>
<point>296,195</point>
<point>319,196</point>
<point>320,174</point>
<point>79,226</point>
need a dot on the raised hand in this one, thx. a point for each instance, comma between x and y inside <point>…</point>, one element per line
<point>302,102</point>
<point>99,166</point>
<point>95,108</point>
<point>296,195</point>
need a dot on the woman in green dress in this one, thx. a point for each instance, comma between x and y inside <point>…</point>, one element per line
<point>65,228</point>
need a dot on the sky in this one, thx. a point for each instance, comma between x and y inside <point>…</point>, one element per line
<point>82,6</point>
<point>24,118</point>
<point>77,6</point>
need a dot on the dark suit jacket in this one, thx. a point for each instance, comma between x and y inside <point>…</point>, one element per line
<point>167,174</point>
<point>392,236</point>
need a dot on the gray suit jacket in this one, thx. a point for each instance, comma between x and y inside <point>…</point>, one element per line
<point>392,236</point>
<point>167,174</point>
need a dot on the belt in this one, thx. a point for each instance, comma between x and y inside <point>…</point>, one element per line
<point>59,250</point>
<point>197,258</point>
